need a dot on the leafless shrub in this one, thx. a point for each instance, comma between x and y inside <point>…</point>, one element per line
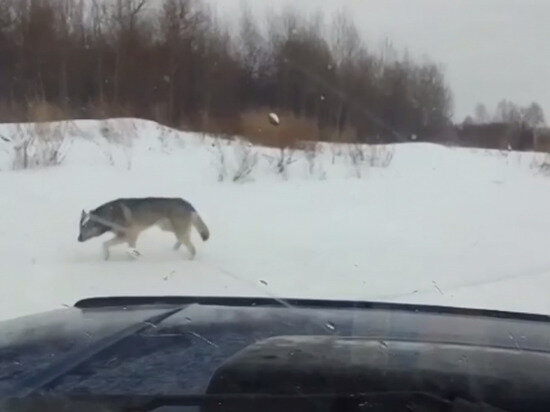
<point>379,155</point>
<point>122,132</point>
<point>238,163</point>
<point>357,157</point>
<point>284,160</point>
<point>310,153</point>
<point>39,144</point>
<point>257,128</point>
<point>336,151</point>
<point>106,151</point>
<point>280,162</point>
<point>220,161</point>
<point>541,164</point>
<point>169,137</point>
<point>362,155</point>
<point>246,159</point>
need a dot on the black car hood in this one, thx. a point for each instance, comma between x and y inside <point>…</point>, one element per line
<point>176,345</point>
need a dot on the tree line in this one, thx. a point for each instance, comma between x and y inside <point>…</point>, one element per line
<point>509,112</point>
<point>172,61</point>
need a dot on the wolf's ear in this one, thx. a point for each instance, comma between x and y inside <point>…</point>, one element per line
<point>83,215</point>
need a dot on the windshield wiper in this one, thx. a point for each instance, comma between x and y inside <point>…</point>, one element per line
<point>34,381</point>
<point>128,301</point>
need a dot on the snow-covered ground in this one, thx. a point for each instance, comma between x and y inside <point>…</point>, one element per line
<point>437,225</point>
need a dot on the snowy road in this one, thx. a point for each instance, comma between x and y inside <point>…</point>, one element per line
<point>441,226</point>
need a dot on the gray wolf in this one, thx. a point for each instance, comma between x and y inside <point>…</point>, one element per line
<point>127,218</point>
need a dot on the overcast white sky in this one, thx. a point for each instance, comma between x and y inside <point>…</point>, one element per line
<point>489,49</point>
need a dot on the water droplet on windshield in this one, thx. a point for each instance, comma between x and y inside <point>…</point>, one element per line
<point>112,361</point>
<point>330,326</point>
<point>383,344</point>
<point>513,339</point>
<point>437,287</point>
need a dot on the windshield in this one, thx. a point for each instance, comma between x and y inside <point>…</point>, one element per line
<point>380,150</point>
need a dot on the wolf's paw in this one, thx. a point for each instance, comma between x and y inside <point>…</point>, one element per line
<point>133,253</point>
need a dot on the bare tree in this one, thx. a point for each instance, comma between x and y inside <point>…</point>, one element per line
<point>251,43</point>
<point>99,20</point>
<point>7,14</point>
<point>345,41</point>
<point>346,46</point>
<point>173,62</point>
<point>508,112</point>
<point>468,121</point>
<point>533,115</point>
<point>481,114</point>
<point>124,17</point>
<point>177,24</point>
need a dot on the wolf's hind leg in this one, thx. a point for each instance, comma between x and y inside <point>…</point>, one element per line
<point>184,240</point>
<point>182,230</point>
<point>189,245</point>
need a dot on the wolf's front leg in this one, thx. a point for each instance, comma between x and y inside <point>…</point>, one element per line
<point>132,251</point>
<point>111,242</point>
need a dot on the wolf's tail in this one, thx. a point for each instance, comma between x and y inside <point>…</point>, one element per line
<point>201,226</point>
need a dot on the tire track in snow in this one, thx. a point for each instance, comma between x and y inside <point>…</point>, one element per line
<point>437,289</point>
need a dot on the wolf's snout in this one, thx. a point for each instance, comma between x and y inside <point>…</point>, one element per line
<point>80,238</point>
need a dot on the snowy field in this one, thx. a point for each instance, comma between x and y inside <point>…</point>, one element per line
<point>408,223</point>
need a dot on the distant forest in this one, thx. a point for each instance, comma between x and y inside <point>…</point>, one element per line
<point>172,61</point>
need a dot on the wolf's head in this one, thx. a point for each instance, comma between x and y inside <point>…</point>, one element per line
<point>89,227</point>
